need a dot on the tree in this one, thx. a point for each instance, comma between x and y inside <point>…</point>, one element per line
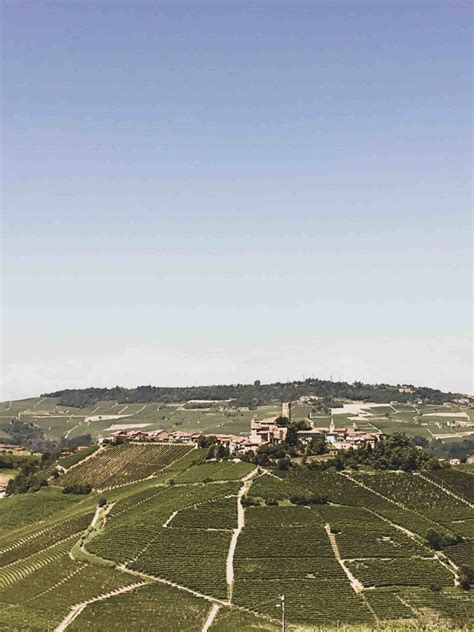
<point>284,464</point>
<point>291,435</point>
<point>317,445</point>
<point>466,577</point>
<point>205,441</point>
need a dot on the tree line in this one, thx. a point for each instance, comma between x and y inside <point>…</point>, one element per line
<point>250,394</point>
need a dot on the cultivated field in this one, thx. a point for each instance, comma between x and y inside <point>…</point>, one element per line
<point>121,464</point>
<point>190,556</point>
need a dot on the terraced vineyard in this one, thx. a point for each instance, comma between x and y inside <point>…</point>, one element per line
<point>187,552</point>
<point>118,465</point>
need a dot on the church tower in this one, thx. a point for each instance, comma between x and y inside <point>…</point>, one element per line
<point>332,426</point>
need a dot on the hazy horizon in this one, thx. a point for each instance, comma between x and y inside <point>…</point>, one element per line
<point>202,192</point>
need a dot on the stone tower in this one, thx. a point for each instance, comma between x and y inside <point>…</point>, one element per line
<point>286,410</point>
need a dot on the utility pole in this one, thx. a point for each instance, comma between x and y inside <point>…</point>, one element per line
<point>282,606</point>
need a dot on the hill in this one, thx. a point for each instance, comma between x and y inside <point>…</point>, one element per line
<point>167,539</point>
<point>448,426</point>
<point>253,394</point>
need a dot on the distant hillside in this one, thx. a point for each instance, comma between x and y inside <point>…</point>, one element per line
<point>252,394</point>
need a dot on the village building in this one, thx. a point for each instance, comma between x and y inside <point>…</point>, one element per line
<point>340,438</point>
<point>266,431</point>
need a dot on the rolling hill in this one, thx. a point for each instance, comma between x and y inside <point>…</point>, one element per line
<point>168,542</point>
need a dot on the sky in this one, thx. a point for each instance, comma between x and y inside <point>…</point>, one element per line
<point>218,192</point>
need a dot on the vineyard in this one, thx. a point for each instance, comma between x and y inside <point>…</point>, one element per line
<point>361,558</point>
<point>122,464</point>
<point>456,481</point>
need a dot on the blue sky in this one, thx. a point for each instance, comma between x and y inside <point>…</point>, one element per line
<point>204,192</point>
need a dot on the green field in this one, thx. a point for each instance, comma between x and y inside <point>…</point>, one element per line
<point>162,554</point>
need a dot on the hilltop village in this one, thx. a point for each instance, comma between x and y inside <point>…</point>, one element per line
<point>272,430</point>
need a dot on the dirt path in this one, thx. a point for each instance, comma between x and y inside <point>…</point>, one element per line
<point>229,567</point>
<point>213,600</point>
<point>79,552</point>
<point>78,608</point>
<point>354,582</point>
<point>69,431</point>
<point>169,519</point>
<point>161,580</point>
<point>86,458</point>
<point>212,615</point>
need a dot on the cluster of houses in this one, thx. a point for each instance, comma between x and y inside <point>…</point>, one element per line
<point>235,443</point>
<point>268,431</point>
<point>263,431</point>
<point>340,438</point>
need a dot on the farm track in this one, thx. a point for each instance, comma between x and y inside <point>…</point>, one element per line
<point>162,580</point>
<point>170,518</point>
<point>210,618</point>
<point>356,585</point>
<point>213,600</point>
<point>78,608</point>
<point>247,482</point>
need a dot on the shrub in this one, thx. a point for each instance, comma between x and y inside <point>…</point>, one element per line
<point>466,577</point>
<point>308,500</point>
<point>284,464</point>
<point>250,502</point>
<point>271,502</point>
<point>77,489</point>
<point>438,541</point>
